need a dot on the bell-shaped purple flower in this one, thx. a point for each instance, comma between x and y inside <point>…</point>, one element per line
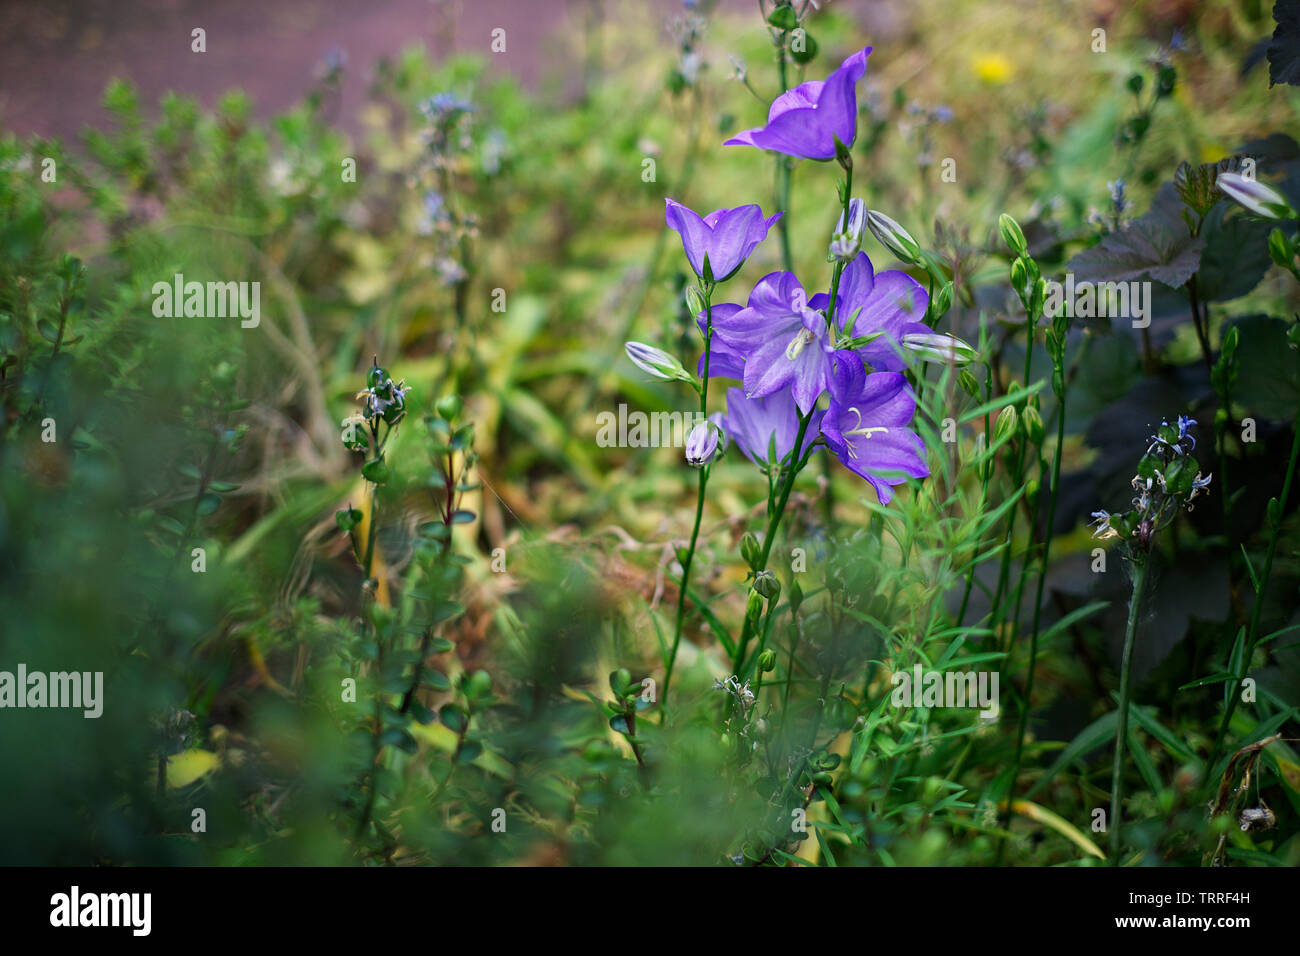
<point>724,361</point>
<point>783,341</point>
<point>725,236</point>
<point>757,424</point>
<point>806,121</point>
<point>702,442</point>
<point>892,303</point>
<point>866,426</point>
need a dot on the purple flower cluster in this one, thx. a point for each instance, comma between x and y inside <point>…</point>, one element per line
<point>790,348</point>
<point>787,356</point>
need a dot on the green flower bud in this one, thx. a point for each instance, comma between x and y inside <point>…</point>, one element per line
<point>1006,425</point>
<point>1012,235</point>
<point>1279,249</point>
<point>766,584</point>
<point>968,383</point>
<point>783,17</point>
<point>942,301</point>
<point>750,550</point>
<point>767,661</point>
<point>1019,277</point>
<point>448,407</point>
<point>695,300</point>
<point>796,596</point>
<point>1034,425</point>
<point>754,606</point>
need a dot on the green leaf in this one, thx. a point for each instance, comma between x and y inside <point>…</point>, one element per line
<point>397,737</point>
<point>469,751</point>
<point>462,517</point>
<point>1250,568</point>
<point>48,330</point>
<point>454,717</point>
<point>421,713</point>
<point>1205,681</point>
<point>1143,715</point>
<point>209,503</point>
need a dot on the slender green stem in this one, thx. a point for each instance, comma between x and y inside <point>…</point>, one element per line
<point>796,465</point>
<point>699,499</point>
<point>1125,681</point>
<point>1252,631</point>
<point>1055,478</point>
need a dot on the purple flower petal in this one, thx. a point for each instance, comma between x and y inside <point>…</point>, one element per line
<point>865,426</point>
<point>804,122</point>
<point>726,237</point>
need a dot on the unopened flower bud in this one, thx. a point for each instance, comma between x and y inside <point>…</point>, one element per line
<point>1012,235</point>
<point>1034,425</point>
<point>766,584</point>
<point>937,347</point>
<point>1263,201</point>
<point>847,238</point>
<point>1005,426</point>
<point>702,444</point>
<point>767,661</point>
<point>656,362</point>
<point>941,303</point>
<point>749,549</point>
<point>754,606</point>
<point>1279,249</point>
<point>448,408</point>
<point>695,300</point>
<point>894,237</point>
<point>1019,277</point>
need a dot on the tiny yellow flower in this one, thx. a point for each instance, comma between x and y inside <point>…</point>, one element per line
<point>992,68</point>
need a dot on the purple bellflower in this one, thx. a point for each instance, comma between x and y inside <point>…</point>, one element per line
<point>866,426</point>
<point>806,121</point>
<point>718,244</point>
<point>783,341</point>
<point>892,303</point>
<point>755,424</point>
